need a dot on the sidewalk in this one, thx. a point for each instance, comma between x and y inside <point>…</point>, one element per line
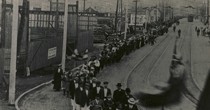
<point>47,99</point>
<point>201,57</point>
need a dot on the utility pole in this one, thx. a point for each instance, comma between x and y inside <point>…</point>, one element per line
<point>156,13</point>
<point>12,78</point>
<point>208,12</point>
<point>57,19</point>
<point>116,16</point>
<point>84,5</point>
<point>126,20</point>
<point>2,43</point>
<point>65,35</point>
<point>148,16</point>
<point>164,12</point>
<point>136,4</point>
<point>121,16</point>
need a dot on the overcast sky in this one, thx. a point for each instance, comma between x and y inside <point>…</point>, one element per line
<point>110,5</point>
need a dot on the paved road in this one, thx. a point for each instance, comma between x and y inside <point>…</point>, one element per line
<point>200,56</point>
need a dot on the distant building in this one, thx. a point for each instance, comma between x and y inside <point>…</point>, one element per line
<point>141,19</point>
<point>154,15</point>
<point>144,16</point>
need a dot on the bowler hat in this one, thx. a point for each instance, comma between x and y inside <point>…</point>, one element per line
<point>98,83</point>
<point>119,85</point>
<point>106,82</point>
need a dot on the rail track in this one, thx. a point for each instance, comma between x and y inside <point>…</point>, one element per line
<point>168,38</point>
<point>187,93</point>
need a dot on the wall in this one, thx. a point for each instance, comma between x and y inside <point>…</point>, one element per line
<point>38,50</point>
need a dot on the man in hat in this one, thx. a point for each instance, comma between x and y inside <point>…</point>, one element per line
<point>93,88</point>
<point>97,66</point>
<point>97,104</point>
<point>98,90</point>
<point>57,79</point>
<point>132,104</point>
<point>119,95</point>
<point>177,77</point>
<point>72,89</point>
<point>128,96</point>
<point>108,103</point>
<point>106,91</point>
<point>79,95</point>
<point>177,70</point>
<point>86,97</point>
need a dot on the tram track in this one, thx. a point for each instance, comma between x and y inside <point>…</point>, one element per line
<point>144,57</point>
<point>156,63</point>
<point>163,46</point>
<point>188,93</point>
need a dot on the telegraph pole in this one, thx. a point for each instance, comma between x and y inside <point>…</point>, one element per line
<point>164,11</point>
<point>136,4</point>
<point>126,20</point>
<point>65,35</point>
<point>208,12</point>
<point>121,14</point>
<point>84,5</point>
<point>116,16</point>
<point>12,78</point>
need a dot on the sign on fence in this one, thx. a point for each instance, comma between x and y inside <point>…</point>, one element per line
<point>52,52</point>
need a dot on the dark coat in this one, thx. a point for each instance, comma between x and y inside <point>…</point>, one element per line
<point>87,97</point>
<point>119,97</point>
<point>92,89</point>
<point>72,89</point>
<point>79,97</point>
<point>57,79</point>
<point>109,105</point>
<point>103,93</point>
<point>134,108</point>
<point>100,93</point>
<point>96,106</point>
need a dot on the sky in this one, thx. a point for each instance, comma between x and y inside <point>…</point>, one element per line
<point>110,5</point>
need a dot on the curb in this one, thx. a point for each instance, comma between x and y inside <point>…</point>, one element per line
<point>28,91</point>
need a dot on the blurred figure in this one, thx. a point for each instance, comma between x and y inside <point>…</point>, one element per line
<point>108,103</point>
<point>72,88</point>
<point>174,27</point>
<point>128,96</point>
<point>98,90</point>
<point>96,104</point>
<point>177,70</point>
<point>79,95</point>
<point>198,32</point>
<point>86,98</point>
<point>179,33</point>
<point>132,104</point>
<point>177,78</point>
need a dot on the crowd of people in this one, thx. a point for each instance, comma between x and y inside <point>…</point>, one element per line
<point>86,92</point>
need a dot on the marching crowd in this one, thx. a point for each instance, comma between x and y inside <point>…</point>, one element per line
<point>86,92</point>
